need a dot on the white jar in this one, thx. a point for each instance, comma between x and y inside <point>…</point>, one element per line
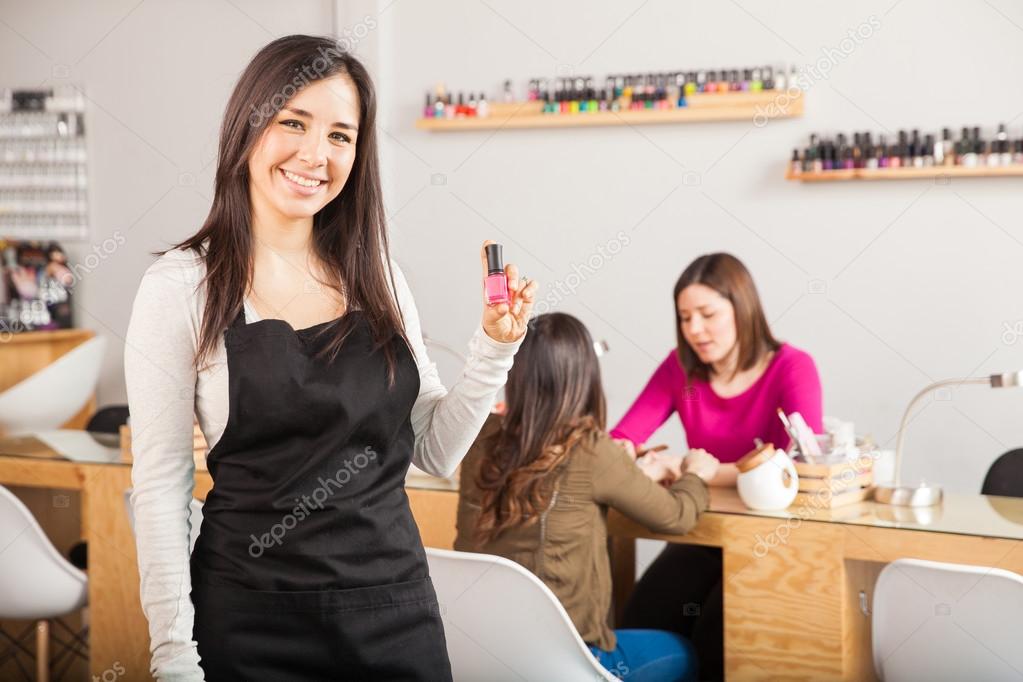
<point>767,479</point>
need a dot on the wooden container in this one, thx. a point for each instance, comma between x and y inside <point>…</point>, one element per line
<point>833,484</point>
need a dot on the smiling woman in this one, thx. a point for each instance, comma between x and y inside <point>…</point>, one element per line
<point>286,328</point>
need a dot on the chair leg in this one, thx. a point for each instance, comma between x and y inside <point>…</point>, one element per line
<point>43,651</point>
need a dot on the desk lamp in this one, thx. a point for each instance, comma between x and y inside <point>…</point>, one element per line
<point>925,494</point>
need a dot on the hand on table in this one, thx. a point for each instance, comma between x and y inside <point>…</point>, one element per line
<point>660,468</point>
<point>701,463</point>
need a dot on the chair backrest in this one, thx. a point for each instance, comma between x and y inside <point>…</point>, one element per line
<point>1005,476</point>
<point>108,419</point>
<point>502,623</point>
<point>938,621</point>
<point>54,394</point>
<point>194,517</point>
<point>36,582</point>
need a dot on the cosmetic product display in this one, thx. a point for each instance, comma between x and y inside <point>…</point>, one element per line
<point>668,90</point>
<point>35,286</point>
<point>908,154</point>
<point>497,282</point>
<point>754,93</point>
<point>43,180</point>
<point>443,105</point>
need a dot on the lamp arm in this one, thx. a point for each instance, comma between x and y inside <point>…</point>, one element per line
<point>909,410</point>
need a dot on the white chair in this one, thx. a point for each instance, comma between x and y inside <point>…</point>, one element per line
<point>502,623</point>
<point>36,583</point>
<point>937,621</point>
<point>55,393</point>
<point>194,517</point>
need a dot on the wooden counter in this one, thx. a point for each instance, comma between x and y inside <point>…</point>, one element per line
<point>791,580</point>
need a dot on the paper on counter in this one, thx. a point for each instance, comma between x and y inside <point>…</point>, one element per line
<point>78,446</point>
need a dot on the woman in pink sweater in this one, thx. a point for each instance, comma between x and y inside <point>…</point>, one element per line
<point>728,376</point>
<point>726,380</point>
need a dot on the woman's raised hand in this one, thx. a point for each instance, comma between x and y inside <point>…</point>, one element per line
<point>506,322</point>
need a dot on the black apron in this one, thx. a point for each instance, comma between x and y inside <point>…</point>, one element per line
<point>309,564</point>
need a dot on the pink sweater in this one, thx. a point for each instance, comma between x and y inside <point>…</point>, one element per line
<point>726,427</point>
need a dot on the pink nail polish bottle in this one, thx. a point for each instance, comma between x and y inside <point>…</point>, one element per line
<point>497,282</point>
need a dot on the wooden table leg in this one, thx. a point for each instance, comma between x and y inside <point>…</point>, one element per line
<point>118,631</point>
<point>783,588</point>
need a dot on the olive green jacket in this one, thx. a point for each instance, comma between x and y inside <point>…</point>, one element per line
<point>567,547</point>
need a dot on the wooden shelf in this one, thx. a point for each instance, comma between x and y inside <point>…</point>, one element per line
<point>932,173</point>
<point>700,108</point>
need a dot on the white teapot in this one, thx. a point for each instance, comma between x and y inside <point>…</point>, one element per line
<point>767,479</point>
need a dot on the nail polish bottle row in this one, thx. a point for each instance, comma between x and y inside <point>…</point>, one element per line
<point>43,226</point>
<point>66,98</point>
<point>666,90</point>
<point>45,150</point>
<point>23,315</point>
<point>44,202</point>
<point>908,149</point>
<point>580,94</point>
<point>445,105</point>
<point>44,124</point>
<point>31,176</point>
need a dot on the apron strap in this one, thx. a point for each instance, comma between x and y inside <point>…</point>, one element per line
<point>239,320</point>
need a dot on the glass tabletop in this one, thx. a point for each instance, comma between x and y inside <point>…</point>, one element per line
<point>982,515</point>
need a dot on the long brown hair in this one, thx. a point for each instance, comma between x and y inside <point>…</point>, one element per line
<point>725,274</point>
<point>349,233</point>
<point>554,401</point>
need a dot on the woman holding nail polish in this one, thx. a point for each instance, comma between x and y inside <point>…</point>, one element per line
<point>726,379</point>
<point>285,327</point>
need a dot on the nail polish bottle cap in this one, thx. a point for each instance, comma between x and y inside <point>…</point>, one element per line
<point>495,259</point>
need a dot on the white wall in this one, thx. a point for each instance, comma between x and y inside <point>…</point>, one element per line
<point>919,277</point>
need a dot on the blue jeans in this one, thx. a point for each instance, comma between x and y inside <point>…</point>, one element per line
<point>649,656</point>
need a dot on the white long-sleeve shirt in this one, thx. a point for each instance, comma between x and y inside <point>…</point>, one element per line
<point>165,394</point>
